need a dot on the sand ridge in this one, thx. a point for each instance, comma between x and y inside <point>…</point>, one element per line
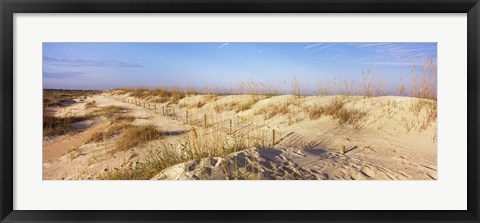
<point>388,144</point>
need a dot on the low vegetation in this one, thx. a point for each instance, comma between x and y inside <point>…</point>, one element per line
<point>60,125</point>
<point>246,105</point>
<point>134,135</point>
<point>53,125</point>
<point>274,110</point>
<point>426,108</point>
<point>193,146</point>
<point>90,104</point>
<point>337,110</point>
<point>62,97</point>
<point>109,111</point>
<point>104,135</point>
<point>198,144</point>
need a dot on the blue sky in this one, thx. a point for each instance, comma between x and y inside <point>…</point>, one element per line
<point>111,65</point>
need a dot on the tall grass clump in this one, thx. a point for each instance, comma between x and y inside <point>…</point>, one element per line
<point>109,111</point>
<point>274,110</point>
<point>194,146</point>
<point>424,81</point>
<point>337,110</point>
<point>60,125</point>
<point>134,135</point>
<point>246,105</point>
<point>425,90</point>
<point>89,105</point>
<point>117,125</point>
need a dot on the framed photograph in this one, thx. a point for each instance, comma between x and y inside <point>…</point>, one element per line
<point>249,111</point>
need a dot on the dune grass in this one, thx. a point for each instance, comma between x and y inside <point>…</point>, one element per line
<point>243,106</point>
<point>274,110</point>
<point>193,146</point>
<point>134,135</point>
<point>60,97</point>
<point>53,126</point>
<point>90,104</point>
<point>196,146</point>
<point>102,135</point>
<point>337,110</point>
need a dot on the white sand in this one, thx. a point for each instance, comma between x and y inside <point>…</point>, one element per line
<point>388,144</point>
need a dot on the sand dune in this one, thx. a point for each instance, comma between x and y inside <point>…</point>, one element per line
<point>388,141</point>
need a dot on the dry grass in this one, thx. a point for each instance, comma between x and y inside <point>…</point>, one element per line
<point>274,110</point>
<point>425,108</point>
<point>246,105</point>
<point>194,146</point>
<point>117,125</point>
<point>220,107</point>
<point>137,135</point>
<point>91,104</point>
<point>424,81</point>
<point>61,97</point>
<point>60,125</point>
<point>157,95</point>
<point>102,136</point>
<point>338,111</point>
<point>330,109</point>
<point>109,111</point>
<point>123,118</point>
<point>423,85</point>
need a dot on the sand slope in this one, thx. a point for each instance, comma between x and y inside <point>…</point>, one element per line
<point>391,142</point>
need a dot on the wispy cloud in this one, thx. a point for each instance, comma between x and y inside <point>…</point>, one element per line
<point>396,54</point>
<point>73,62</point>
<point>371,44</point>
<point>223,45</point>
<point>323,47</point>
<point>313,45</point>
<point>389,63</point>
<point>64,74</point>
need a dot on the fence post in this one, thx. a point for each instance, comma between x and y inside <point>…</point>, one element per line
<point>163,110</point>
<point>273,137</point>
<point>342,149</point>
<point>205,120</point>
<point>173,111</point>
<point>186,116</point>
<point>230,126</point>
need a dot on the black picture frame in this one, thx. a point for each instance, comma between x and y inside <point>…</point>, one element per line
<point>9,7</point>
